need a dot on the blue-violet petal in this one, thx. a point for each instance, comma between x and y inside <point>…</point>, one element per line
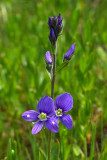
<point>64,102</point>
<point>66,120</point>
<point>52,124</point>
<point>30,115</point>
<point>37,127</point>
<point>46,105</point>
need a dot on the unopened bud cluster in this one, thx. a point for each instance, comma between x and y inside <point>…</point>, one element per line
<point>55,25</point>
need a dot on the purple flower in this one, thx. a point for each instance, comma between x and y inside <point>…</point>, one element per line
<point>45,109</point>
<point>48,57</point>
<point>70,52</point>
<point>64,103</point>
<point>52,36</point>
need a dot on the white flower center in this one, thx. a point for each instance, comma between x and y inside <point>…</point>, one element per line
<point>28,116</point>
<point>53,122</point>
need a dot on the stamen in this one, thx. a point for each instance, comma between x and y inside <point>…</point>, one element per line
<point>59,112</point>
<point>42,116</point>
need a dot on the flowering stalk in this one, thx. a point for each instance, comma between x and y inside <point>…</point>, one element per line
<point>46,113</point>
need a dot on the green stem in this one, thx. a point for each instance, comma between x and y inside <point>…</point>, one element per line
<point>49,145</point>
<point>52,94</point>
<point>53,76</point>
<point>64,64</point>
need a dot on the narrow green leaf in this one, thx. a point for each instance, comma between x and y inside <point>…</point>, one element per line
<point>15,151</point>
<point>9,150</point>
<point>27,153</point>
<point>55,151</point>
<point>77,151</point>
<point>85,148</point>
<point>93,127</point>
<point>63,65</point>
<point>42,155</point>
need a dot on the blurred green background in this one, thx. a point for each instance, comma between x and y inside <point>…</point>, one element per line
<point>24,80</point>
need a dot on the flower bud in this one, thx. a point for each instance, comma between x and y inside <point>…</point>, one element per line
<point>59,17</point>
<point>54,22</point>
<point>52,36</point>
<point>55,25</point>
<point>48,57</point>
<point>70,52</point>
<point>59,27</point>
<point>50,22</point>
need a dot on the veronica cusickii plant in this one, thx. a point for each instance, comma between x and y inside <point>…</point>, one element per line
<point>48,113</point>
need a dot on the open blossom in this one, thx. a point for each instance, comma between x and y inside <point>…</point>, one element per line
<point>70,52</point>
<point>45,109</point>
<point>64,103</point>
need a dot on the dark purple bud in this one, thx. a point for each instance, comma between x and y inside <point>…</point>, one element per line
<point>59,18</point>
<point>54,22</point>
<point>48,57</point>
<point>70,52</point>
<point>59,27</point>
<point>52,36</point>
<point>50,22</point>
